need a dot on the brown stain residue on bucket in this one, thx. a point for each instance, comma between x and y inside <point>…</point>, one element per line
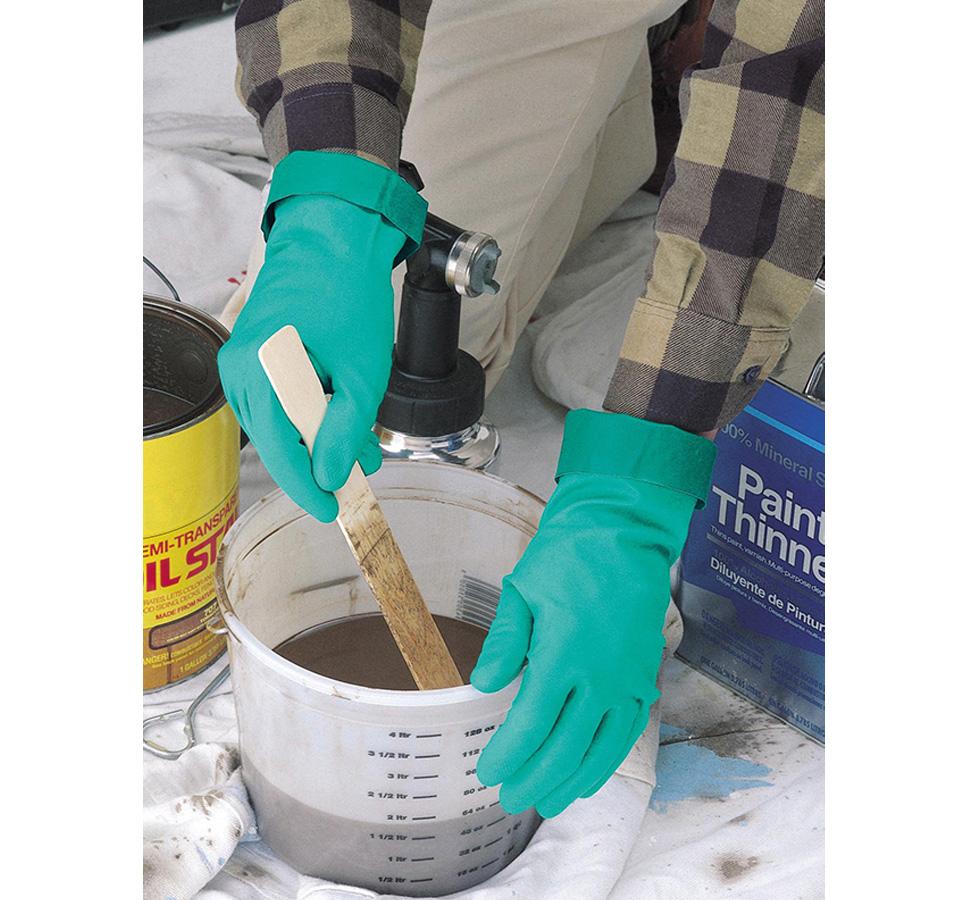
<point>360,650</point>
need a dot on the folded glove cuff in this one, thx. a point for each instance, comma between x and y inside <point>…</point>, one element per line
<point>603,443</point>
<point>356,180</point>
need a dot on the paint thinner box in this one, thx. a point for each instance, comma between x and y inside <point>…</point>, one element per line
<point>752,571</point>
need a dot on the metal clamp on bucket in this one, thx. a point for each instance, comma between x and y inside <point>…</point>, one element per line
<point>188,716</point>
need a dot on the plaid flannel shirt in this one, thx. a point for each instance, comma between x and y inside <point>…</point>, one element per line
<point>739,233</point>
<point>332,75</point>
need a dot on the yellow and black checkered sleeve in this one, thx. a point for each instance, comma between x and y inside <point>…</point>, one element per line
<point>739,235</point>
<point>331,75</point>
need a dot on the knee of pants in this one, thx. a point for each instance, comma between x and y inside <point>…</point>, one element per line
<point>612,169</point>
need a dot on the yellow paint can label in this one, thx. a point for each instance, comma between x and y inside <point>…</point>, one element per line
<point>190,500</point>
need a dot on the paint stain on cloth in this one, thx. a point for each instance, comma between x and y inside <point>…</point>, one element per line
<point>687,770</point>
<point>733,867</point>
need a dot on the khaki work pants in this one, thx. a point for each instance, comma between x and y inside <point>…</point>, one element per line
<point>531,121</point>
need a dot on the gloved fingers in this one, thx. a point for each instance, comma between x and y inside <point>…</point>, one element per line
<point>505,646</point>
<point>370,455</point>
<point>616,759</point>
<point>532,716</point>
<point>342,435</point>
<point>281,450</point>
<point>558,758</point>
<point>611,735</point>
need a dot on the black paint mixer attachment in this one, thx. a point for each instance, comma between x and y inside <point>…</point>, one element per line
<point>433,407</point>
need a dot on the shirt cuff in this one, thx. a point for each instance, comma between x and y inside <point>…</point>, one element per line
<point>333,118</point>
<point>682,368</point>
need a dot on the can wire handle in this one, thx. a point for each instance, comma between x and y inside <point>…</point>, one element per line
<point>216,623</point>
<point>814,384</point>
<point>163,278</point>
<point>188,714</point>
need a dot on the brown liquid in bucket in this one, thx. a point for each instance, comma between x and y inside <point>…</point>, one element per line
<point>360,650</point>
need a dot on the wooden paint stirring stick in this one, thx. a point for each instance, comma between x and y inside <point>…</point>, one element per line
<point>362,522</point>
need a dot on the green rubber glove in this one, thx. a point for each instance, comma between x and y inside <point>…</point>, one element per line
<point>335,225</point>
<point>585,608</point>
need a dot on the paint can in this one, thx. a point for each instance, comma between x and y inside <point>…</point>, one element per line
<point>191,444</point>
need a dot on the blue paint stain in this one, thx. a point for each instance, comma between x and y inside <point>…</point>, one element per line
<point>204,858</point>
<point>686,770</point>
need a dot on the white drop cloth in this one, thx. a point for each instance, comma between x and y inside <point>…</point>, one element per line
<point>194,815</point>
<point>739,805</point>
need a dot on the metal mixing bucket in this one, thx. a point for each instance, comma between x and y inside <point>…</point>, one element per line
<point>371,787</point>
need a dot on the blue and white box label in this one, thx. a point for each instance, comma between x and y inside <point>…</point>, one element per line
<point>753,569</point>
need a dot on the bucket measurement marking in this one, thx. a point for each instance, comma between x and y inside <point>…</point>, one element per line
<point>477,600</point>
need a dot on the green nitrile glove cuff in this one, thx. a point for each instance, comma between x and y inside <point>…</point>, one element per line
<point>603,443</point>
<point>356,180</point>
